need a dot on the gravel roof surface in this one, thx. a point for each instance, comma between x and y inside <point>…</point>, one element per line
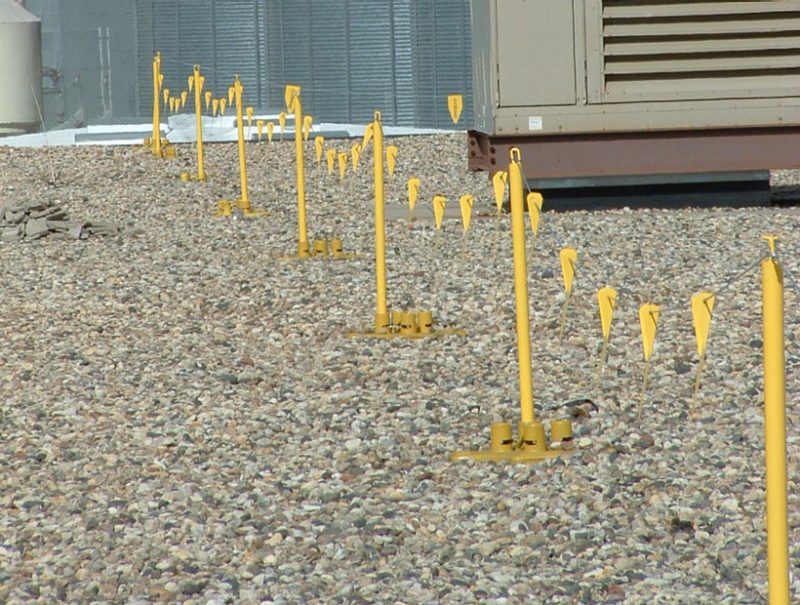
<point>184,421</point>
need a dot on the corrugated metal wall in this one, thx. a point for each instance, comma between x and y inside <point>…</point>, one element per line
<point>225,37</point>
<point>351,57</point>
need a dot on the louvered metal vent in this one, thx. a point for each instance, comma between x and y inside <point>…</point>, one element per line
<point>692,49</point>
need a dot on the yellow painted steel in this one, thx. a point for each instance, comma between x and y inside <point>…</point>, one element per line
<point>381,311</point>
<point>516,193</point>
<point>439,202</point>
<point>156,137</point>
<point>342,157</point>
<point>260,129</point>
<point>561,430</point>
<point>702,306</point>
<point>499,180</point>
<point>198,81</point>
<point>319,144</point>
<point>775,427</point>
<point>465,202</point>
<point>535,201</point>
<point>307,121</point>
<point>294,104</point>
<point>391,158</point>
<point>455,103</point>
<point>270,131</point>
<point>569,258</point>
<point>330,158</point>
<point>607,301</point>
<point>238,89</point>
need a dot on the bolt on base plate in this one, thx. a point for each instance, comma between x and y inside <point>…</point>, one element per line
<point>406,324</point>
<point>322,249</point>
<point>186,177</point>
<point>225,208</point>
<point>532,446</point>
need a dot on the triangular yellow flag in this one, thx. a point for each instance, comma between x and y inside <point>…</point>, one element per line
<point>534,200</point>
<point>249,112</point>
<point>569,258</point>
<point>607,300</point>
<point>319,142</point>
<point>413,192</point>
<point>209,95</point>
<point>355,155</point>
<point>222,105</point>
<point>702,306</point>
<point>342,164</point>
<point>648,318</point>
<point>291,92</point>
<point>330,157</point>
<point>465,202</point>
<point>438,209</point>
<point>270,130</point>
<point>499,180</point>
<point>391,158</point>
<point>455,103</point>
<point>260,127</point>
<point>215,106</point>
<point>307,121</point>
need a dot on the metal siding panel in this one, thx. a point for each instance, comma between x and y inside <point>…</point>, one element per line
<point>404,98</point>
<point>371,69</point>
<point>330,95</point>
<point>236,47</point>
<point>196,37</point>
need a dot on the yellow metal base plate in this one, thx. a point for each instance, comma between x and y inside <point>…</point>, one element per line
<point>512,456</point>
<point>323,257</point>
<point>411,336</point>
<point>225,208</point>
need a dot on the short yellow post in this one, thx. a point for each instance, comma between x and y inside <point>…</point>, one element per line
<point>198,81</point>
<point>238,89</point>
<point>516,193</point>
<point>156,140</point>
<point>775,427</point>
<point>294,104</point>
<point>381,313</point>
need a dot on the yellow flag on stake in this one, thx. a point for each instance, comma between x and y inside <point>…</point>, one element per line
<point>342,164</point>
<point>499,180</point>
<point>607,299</point>
<point>270,130</point>
<point>455,103</point>
<point>413,192</point>
<point>465,203</point>
<point>648,318</point>
<point>319,142</point>
<point>702,306</point>
<point>569,258</point>
<point>330,157</point>
<point>535,201</point>
<point>439,202</point>
<point>307,121</point>
<point>391,158</point>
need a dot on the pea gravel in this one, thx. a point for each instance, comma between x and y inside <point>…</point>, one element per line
<point>184,421</point>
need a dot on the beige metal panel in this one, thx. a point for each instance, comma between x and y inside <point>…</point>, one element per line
<point>640,116</point>
<point>703,27</point>
<point>717,8</point>
<point>707,63</point>
<point>664,48</point>
<point>535,52</point>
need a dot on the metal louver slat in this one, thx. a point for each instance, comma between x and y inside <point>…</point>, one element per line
<point>700,50</point>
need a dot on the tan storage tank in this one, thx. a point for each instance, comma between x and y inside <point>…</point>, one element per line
<point>626,87</point>
<point>20,69</point>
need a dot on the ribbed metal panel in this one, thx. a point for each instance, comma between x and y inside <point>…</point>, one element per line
<point>700,50</point>
<point>405,100</point>
<point>329,94</point>
<point>236,46</point>
<point>372,85</point>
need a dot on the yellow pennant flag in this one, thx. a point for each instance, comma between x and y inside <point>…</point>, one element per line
<point>270,130</point>
<point>499,180</point>
<point>607,300</point>
<point>307,121</point>
<point>209,94</point>
<point>413,192</point>
<point>702,306</point>
<point>391,158</point>
<point>535,201</point>
<point>455,103</point>
<point>342,164</point>
<point>438,209</point>
<point>319,142</point>
<point>249,112</point>
<point>648,318</point>
<point>330,157</point>
<point>465,202</point>
<point>569,258</point>
<point>355,155</point>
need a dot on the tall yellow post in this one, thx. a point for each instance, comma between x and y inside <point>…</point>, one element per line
<point>516,195</point>
<point>156,140</point>
<point>238,89</point>
<point>381,313</point>
<point>775,427</point>
<point>198,82</point>
<point>302,230</point>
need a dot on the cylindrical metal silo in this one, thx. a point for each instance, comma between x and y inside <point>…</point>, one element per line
<point>20,69</point>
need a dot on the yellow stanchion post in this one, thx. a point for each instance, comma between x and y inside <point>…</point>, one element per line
<point>198,81</point>
<point>225,207</point>
<point>294,104</point>
<point>531,445</point>
<point>385,325</point>
<point>775,427</point>
<point>156,140</point>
